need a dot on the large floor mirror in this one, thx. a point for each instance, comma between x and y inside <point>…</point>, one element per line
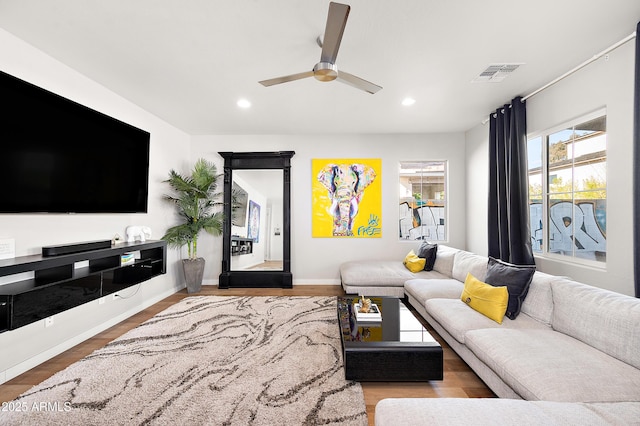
<point>256,238</point>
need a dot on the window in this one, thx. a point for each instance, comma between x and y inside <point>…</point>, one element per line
<point>568,191</point>
<point>423,188</point>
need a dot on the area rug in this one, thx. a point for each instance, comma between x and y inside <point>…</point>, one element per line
<point>210,360</point>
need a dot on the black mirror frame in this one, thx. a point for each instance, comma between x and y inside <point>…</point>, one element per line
<point>257,278</point>
<point>636,171</point>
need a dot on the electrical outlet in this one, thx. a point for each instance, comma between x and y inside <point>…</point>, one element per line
<point>48,322</point>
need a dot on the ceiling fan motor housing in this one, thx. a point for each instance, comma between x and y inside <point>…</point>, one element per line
<point>325,71</point>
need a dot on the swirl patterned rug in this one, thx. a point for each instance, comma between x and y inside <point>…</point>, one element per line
<point>211,360</point>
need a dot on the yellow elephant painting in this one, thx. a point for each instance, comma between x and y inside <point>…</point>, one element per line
<point>347,198</point>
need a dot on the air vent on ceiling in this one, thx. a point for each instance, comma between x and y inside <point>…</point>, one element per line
<point>495,73</point>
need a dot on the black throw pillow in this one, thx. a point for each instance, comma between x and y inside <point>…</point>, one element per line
<point>428,251</point>
<point>517,279</point>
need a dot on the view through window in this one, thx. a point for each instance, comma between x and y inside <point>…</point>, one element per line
<point>423,209</point>
<point>568,191</point>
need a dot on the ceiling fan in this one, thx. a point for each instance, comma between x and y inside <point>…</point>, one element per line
<point>326,69</point>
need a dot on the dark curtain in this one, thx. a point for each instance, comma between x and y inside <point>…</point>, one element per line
<point>636,172</point>
<point>509,233</point>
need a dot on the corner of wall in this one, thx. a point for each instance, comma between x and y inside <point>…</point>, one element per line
<point>476,162</point>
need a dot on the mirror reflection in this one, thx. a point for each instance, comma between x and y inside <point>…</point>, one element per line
<point>256,220</point>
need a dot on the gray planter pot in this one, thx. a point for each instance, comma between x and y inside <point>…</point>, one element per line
<point>193,273</point>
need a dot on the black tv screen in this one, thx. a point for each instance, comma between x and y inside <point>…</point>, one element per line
<point>240,199</point>
<point>58,156</point>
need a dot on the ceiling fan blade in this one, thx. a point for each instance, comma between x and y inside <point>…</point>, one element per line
<point>336,21</point>
<point>357,82</point>
<point>286,78</point>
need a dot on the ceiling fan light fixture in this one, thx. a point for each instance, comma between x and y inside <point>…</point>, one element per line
<point>325,71</point>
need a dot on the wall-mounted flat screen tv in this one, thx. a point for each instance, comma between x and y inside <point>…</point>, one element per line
<point>239,201</point>
<point>57,156</point>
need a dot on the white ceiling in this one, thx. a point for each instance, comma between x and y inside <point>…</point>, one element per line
<point>189,61</point>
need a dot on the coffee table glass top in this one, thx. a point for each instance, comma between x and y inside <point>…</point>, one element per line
<point>398,323</point>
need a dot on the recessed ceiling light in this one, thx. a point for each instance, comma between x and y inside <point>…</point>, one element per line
<point>408,101</point>
<point>243,103</point>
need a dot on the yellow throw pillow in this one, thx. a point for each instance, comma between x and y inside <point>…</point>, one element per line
<point>413,262</point>
<point>488,300</point>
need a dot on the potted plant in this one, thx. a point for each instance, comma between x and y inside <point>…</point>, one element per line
<point>198,204</point>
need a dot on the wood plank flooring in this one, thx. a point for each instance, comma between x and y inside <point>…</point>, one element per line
<point>268,265</point>
<point>459,380</point>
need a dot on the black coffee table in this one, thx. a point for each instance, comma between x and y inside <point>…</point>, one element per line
<point>398,348</point>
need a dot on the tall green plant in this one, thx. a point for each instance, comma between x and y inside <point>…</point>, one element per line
<point>197,201</point>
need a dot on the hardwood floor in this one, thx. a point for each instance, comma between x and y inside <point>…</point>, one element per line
<point>268,265</point>
<point>459,380</point>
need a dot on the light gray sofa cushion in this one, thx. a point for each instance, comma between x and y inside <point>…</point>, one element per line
<point>423,290</point>
<point>603,319</point>
<point>547,365</point>
<point>539,301</point>
<point>389,291</point>
<point>381,273</point>
<point>466,262</point>
<point>374,273</point>
<point>444,259</point>
<point>458,318</point>
<point>496,412</point>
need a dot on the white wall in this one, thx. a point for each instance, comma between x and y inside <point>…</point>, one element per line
<point>25,347</point>
<point>477,164</point>
<point>316,260</point>
<point>604,83</point>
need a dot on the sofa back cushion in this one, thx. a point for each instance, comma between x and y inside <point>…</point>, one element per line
<point>539,301</point>
<point>517,279</point>
<point>469,263</point>
<point>428,252</point>
<point>444,260</point>
<point>606,320</point>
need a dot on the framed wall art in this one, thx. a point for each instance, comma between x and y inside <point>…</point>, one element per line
<point>346,197</point>
<point>253,231</point>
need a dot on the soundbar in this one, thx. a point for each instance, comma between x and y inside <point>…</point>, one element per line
<point>75,248</point>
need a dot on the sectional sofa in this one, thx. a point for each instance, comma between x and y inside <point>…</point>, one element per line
<point>386,277</point>
<point>570,355</point>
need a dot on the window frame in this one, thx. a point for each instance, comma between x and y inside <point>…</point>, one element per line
<point>445,214</point>
<point>544,170</point>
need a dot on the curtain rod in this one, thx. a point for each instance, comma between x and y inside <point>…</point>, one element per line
<point>579,67</point>
<point>582,65</point>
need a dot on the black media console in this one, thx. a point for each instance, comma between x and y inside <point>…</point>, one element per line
<point>241,246</point>
<point>65,281</point>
